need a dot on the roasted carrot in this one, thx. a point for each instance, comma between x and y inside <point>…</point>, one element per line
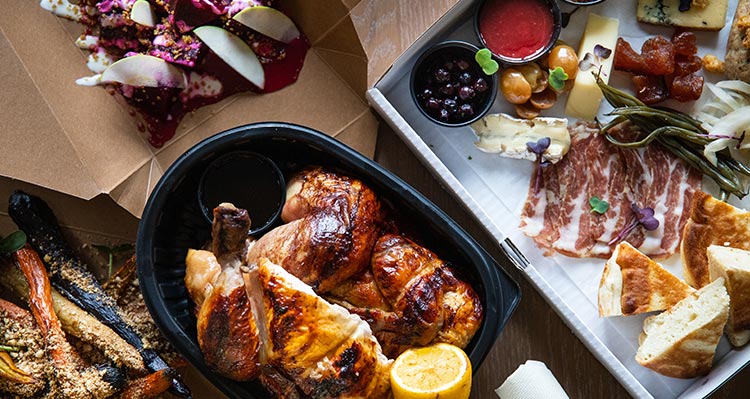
<point>149,386</point>
<point>72,279</point>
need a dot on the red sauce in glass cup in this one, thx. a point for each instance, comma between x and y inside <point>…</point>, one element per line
<point>516,29</point>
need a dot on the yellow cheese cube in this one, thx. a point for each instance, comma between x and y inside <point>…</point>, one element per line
<point>585,97</point>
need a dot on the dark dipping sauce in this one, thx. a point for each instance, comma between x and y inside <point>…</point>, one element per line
<point>516,29</point>
<point>247,180</point>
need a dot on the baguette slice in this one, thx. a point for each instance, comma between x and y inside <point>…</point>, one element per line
<point>632,283</point>
<point>681,342</point>
<point>711,222</point>
<point>733,265</point>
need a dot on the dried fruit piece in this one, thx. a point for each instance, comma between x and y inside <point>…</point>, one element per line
<point>684,43</point>
<point>685,65</point>
<point>650,89</point>
<point>686,88</point>
<point>658,55</point>
<point>627,59</point>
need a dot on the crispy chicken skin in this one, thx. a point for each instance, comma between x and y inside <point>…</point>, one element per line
<point>227,334</point>
<point>312,348</point>
<point>333,221</point>
<point>429,304</point>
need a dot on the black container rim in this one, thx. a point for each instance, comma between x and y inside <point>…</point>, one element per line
<point>432,50</point>
<point>501,291</point>
<point>556,29</point>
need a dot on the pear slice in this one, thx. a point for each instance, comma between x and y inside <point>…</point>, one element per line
<point>142,13</point>
<point>144,71</point>
<point>268,21</point>
<point>234,51</point>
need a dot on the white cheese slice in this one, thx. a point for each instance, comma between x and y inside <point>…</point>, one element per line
<point>507,136</point>
<point>666,12</point>
<point>585,97</point>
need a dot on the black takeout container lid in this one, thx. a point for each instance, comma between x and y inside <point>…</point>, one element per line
<point>172,222</point>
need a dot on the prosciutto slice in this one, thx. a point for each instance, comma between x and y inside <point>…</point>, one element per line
<point>558,215</point>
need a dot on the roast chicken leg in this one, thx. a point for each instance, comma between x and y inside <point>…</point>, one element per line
<point>333,222</point>
<point>227,333</point>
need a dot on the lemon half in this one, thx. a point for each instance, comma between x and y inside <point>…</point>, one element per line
<point>437,371</point>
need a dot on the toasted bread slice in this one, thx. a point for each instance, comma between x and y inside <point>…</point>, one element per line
<point>681,342</point>
<point>712,222</point>
<point>733,265</point>
<point>632,283</point>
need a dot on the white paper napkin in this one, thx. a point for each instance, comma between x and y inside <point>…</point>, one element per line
<point>532,380</point>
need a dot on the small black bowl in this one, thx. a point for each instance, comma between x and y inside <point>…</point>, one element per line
<point>172,222</point>
<point>554,9</point>
<point>444,51</point>
<point>248,180</point>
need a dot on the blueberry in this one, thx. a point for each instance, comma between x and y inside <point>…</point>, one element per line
<point>433,103</point>
<point>465,78</point>
<point>450,105</point>
<point>447,89</point>
<point>466,93</point>
<point>463,64</point>
<point>481,85</point>
<point>466,111</point>
<point>442,75</point>
<point>443,115</point>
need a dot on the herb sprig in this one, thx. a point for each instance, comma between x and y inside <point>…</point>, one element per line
<point>13,242</point>
<point>538,147</point>
<point>489,66</point>
<point>111,253</point>
<point>643,217</point>
<point>598,205</point>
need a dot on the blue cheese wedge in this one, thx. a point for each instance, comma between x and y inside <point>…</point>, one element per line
<point>505,135</point>
<point>711,16</point>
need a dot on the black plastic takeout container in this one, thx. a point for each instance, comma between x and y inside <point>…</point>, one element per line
<point>173,222</point>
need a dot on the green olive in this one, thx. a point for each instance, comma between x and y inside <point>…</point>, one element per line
<point>565,57</point>
<point>514,86</point>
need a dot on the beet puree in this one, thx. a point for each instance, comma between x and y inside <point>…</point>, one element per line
<point>517,29</point>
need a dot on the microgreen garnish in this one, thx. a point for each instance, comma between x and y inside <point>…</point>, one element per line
<point>598,205</point>
<point>591,60</point>
<point>7,348</point>
<point>602,52</point>
<point>538,148</point>
<point>485,61</point>
<point>557,78</point>
<point>642,217</point>
<point>111,253</point>
<point>13,242</point>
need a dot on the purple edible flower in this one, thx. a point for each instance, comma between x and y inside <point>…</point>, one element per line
<point>602,52</point>
<point>643,217</point>
<point>538,148</point>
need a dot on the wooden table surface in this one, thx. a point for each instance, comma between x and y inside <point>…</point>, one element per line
<point>535,331</point>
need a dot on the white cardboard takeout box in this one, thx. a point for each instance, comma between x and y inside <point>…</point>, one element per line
<point>494,189</point>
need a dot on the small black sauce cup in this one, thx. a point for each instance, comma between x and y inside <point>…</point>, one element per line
<point>554,9</point>
<point>425,62</point>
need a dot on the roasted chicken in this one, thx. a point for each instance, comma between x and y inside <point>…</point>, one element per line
<point>312,348</point>
<point>227,333</point>
<point>333,221</point>
<point>428,303</point>
<point>331,249</point>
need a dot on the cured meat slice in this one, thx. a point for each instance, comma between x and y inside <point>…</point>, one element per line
<point>558,216</point>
